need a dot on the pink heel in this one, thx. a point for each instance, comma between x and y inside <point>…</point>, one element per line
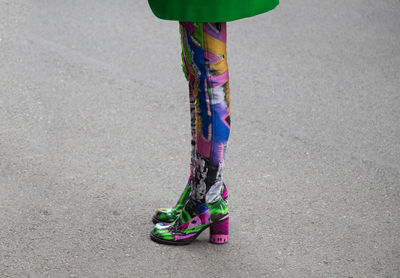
<point>219,232</point>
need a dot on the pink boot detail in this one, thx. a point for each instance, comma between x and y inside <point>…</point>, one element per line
<point>219,232</point>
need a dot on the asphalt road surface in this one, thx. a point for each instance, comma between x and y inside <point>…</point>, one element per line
<point>95,135</point>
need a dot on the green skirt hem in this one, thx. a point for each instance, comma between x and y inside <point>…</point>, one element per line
<point>209,10</point>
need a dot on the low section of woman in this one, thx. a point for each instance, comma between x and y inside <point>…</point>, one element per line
<point>204,59</point>
<point>205,66</point>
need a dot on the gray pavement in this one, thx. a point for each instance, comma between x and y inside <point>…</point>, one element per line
<point>94,135</point>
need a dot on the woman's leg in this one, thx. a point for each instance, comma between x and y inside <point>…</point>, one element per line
<point>210,60</point>
<point>205,65</point>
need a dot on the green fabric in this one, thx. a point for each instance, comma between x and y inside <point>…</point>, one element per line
<point>210,10</point>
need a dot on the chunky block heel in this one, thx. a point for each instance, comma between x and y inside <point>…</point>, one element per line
<point>219,232</point>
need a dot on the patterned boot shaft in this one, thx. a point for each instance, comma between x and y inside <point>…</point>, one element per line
<point>204,59</point>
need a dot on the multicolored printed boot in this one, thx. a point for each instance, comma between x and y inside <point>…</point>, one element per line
<point>194,218</point>
<point>168,215</point>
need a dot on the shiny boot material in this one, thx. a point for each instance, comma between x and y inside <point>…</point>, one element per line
<point>168,215</point>
<point>194,218</point>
